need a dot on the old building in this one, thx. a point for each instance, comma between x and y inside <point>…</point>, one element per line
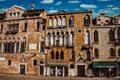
<point>106,48</point>
<point>103,19</point>
<point>22,41</point>
<point>68,43</point>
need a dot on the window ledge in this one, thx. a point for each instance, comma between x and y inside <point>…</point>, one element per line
<point>112,57</point>
<point>24,31</point>
<point>95,42</point>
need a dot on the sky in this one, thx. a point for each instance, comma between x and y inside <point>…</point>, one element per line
<point>109,7</point>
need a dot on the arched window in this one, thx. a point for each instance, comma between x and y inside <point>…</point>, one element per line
<point>61,55</point>
<point>119,52</point>
<point>72,56</point>
<point>62,39</point>
<point>71,21</point>
<point>48,39</point>
<point>88,55</point>
<point>87,20</point>
<point>71,38</point>
<point>72,33</point>
<point>96,37</point>
<point>58,40</point>
<point>71,66</point>
<point>52,55</point>
<point>111,35</point>
<point>51,22</point>
<point>53,39</point>
<point>59,21</point>
<point>96,53</point>
<point>67,39</point>
<point>64,22</point>
<point>87,38</point>
<point>55,22</point>
<point>118,33</point>
<point>57,55</point>
<point>112,52</point>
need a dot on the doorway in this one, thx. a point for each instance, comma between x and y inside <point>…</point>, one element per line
<point>22,69</point>
<point>81,70</point>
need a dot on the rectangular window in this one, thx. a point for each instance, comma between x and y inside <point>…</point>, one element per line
<point>35,62</point>
<point>12,28</point>
<point>25,27</point>
<point>9,62</point>
<point>17,47</point>
<point>23,46</point>
<point>38,25</point>
<point>42,47</point>
<point>1,29</point>
<point>41,70</point>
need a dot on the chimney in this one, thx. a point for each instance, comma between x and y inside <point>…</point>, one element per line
<point>32,6</point>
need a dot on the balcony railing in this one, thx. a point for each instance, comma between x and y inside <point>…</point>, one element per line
<point>84,47</point>
<point>12,32</point>
<point>57,27</point>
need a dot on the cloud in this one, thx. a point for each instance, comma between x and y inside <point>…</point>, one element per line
<point>52,11</point>
<point>73,1</point>
<point>103,0</point>
<point>47,1</point>
<point>109,5</point>
<point>58,3</point>
<point>2,0</point>
<point>3,9</point>
<point>88,6</point>
<point>115,8</point>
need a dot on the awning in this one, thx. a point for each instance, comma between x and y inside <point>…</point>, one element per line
<point>104,64</point>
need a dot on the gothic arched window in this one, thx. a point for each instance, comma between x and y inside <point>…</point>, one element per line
<point>67,39</point>
<point>55,22</point>
<point>61,55</point>
<point>96,53</point>
<point>112,52</point>
<point>71,38</point>
<point>62,39</point>
<point>52,55</point>
<point>96,37</point>
<point>51,22</point>
<point>87,38</point>
<point>48,39</point>
<point>71,21</point>
<point>64,22</point>
<point>72,56</point>
<point>118,33</point>
<point>57,55</point>
<point>60,21</point>
<point>111,35</point>
<point>87,20</point>
<point>58,40</point>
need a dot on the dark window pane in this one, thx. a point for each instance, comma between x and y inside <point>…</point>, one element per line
<point>9,62</point>
<point>35,62</point>
<point>42,46</point>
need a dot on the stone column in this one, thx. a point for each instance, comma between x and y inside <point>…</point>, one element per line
<point>56,71</point>
<point>63,71</point>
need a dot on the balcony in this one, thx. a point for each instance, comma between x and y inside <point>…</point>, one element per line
<point>12,31</point>
<point>69,46</point>
<point>57,27</point>
<point>85,47</point>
